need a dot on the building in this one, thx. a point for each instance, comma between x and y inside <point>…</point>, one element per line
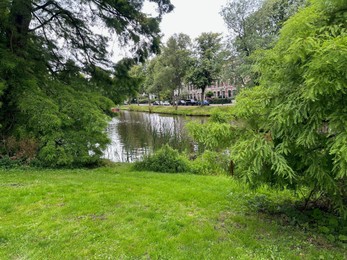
<point>219,90</point>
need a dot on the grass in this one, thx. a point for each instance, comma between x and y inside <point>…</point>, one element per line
<point>181,110</point>
<point>115,213</point>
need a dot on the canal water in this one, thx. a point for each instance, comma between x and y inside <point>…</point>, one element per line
<point>136,134</point>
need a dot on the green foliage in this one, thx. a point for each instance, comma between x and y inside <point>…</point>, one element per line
<point>126,82</point>
<point>211,163</point>
<point>289,132</point>
<point>75,27</point>
<point>332,227</point>
<point>67,119</point>
<point>155,76</point>
<point>7,163</point>
<point>19,150</point>
<point>165,159</point>
<point>213,140</point>
<point>215,135</point>
<point>292,127</point>
<point>166,72</point>
<point>207,61</point>
<point>175,60</point>
<point>69,124</point>
<point>56,77</point>
<point>253,25</point>
<point>209,94</point>
<point>220,101</point>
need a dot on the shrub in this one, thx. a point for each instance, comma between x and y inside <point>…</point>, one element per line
<point>7,163</point>
<point>166,159</point>
<point>15,151</point>
<point>220,100</point>
<point>211,163</point>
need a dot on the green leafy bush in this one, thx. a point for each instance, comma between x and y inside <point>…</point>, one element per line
<point>7,163</point>
<point>333,227</point>
<point>165,159</point>
<point>211,163</point>
<point>60,123</point>
<point>20,150</point>
<point>220,100</point>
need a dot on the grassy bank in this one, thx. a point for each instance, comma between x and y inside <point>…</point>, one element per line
<point>181,110</point>
<point>113,213</point>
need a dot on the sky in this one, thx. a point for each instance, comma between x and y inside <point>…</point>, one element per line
<point>191,17</point>
<point>194,17</point>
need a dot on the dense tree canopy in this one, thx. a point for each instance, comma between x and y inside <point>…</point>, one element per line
<point>157,77</point>
<point>291,130</point>
<point>166,72</point>
<point>175,58</point>
<point>197,64</point>
<point>55,73</point>
<point>68,29</point>
<point>253,25</point>
<point>207,61</point>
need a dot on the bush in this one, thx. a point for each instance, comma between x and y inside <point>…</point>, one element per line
<point>220,101</point>
<point>211,163</point>
<point>166,159</point>
<point>7,163</point>
<point>14,152</point>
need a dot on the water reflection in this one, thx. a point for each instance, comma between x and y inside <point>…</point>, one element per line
<point>135,134</point>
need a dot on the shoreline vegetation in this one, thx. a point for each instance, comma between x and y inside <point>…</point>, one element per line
<point>117,212</point>
<point>171,110</point>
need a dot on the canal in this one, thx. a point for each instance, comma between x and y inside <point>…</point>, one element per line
<point>136,134</point>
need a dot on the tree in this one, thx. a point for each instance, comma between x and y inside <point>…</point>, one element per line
<point>307,126</point>
<point>175,58</point>
<point>154,77</point>
<point>56,76</point>
<point>237,16</point>
<point>209,94</point>
<point>167,71</point>
<point>138,77</point>
<point>207,61</point>
<point>291,131</point>
<point>72,23</point>
<point>253,25</point>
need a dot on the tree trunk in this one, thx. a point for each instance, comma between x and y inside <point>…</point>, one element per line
<point>231,167</point>
<point>20,18</point>
<point>202,96</point>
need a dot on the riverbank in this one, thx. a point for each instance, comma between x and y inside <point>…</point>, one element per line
<point>116,213</point>
<point>181,110</point>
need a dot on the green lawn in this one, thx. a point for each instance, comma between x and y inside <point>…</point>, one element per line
<point>113,213</point>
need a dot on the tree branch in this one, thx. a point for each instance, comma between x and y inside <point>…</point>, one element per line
<point>43,23</point>
<point>48,3</point>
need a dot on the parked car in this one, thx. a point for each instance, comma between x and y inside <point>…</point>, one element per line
<point>181,102</point>
<point>166,103</point>
<point>156,103</point>
<point>203,103</point>
<point>191,102</point>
